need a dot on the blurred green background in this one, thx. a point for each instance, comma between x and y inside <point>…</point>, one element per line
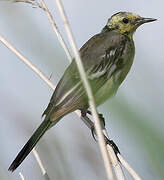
<point>134,118</point>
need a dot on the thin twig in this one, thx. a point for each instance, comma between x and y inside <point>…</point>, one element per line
<point>44,173</point>
<point>87,87</point>
<point>21,176</point>
<point>34,3</point>
<point>129,168</point>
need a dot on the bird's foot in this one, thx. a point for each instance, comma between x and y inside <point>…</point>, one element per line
<point>113,145</point>
<point>107,141</point>
<point>102,119</point>
<point>93,133</point>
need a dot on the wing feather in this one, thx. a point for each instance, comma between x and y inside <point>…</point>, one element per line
<point>99,56</point>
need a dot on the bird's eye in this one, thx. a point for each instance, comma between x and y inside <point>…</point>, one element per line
<point>125,20</point>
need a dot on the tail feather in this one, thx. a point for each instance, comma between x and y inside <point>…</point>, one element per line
<point>30,144</point>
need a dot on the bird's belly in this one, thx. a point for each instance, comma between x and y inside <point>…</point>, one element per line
<point>105,92</point>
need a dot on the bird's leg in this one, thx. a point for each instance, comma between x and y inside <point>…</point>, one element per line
<point>88,122</point>
<point>102,120</point>
<point>107,140</point>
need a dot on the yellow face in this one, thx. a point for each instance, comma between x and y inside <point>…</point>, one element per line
<point>126,23</point>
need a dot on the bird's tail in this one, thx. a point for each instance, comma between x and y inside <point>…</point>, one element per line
<point>30,144</point>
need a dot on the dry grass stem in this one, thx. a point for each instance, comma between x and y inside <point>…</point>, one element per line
<point>128,168</point>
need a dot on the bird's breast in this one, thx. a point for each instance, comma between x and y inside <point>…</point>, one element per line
<point>122,67</point>
<point>124,63</point>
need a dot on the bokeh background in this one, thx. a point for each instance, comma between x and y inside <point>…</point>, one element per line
<point>134,118</point>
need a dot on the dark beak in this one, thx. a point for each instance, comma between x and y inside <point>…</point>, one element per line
<point>144,20</point>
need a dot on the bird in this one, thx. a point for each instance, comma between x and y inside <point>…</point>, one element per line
<point>107,58</point>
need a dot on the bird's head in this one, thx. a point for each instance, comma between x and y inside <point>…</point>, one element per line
<point>126,23</point>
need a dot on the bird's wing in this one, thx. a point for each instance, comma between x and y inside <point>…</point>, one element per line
<point>99,56</point>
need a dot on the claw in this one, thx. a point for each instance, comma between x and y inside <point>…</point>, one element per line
<point>113,145</point>
<point>93,133</point>
<point>89,112</point>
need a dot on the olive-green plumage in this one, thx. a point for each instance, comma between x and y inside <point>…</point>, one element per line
<point>107,58</point>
